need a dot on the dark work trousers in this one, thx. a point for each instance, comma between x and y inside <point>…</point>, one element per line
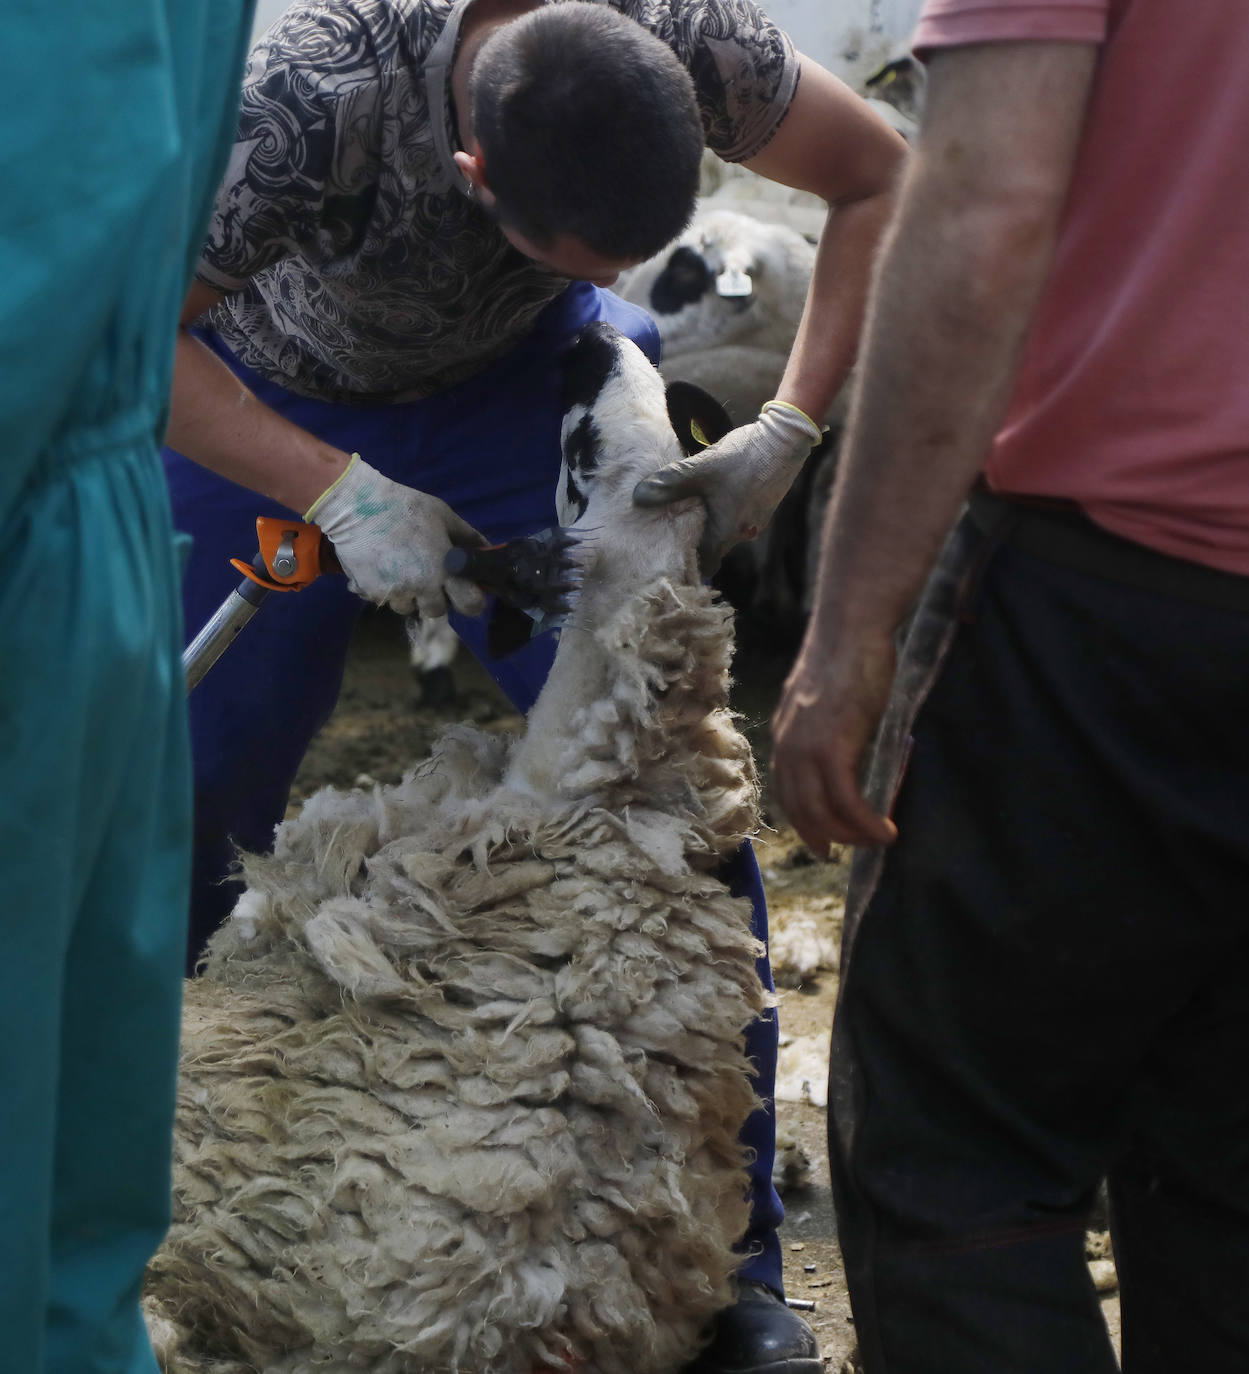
<point>1046,979</point>
<point>489,447</point>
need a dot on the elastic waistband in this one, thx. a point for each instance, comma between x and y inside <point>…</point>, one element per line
<point>132,430</point>
<point>136,424</point>
<point>1059,532</point>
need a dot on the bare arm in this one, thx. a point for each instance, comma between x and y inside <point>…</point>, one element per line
<point>959,279</point>
<point>831,143</point>
<point>216,421</point>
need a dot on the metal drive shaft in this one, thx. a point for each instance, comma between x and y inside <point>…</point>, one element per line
<point>218,634</point>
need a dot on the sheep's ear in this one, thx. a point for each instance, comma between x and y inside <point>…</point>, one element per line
<point>697,417</point>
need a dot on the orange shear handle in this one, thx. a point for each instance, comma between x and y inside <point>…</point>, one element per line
<point>294,555</point>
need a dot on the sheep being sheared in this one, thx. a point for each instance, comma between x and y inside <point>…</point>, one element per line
<point>463,1078</point>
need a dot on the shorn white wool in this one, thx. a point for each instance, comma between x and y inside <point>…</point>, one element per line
<point>462,1083</point>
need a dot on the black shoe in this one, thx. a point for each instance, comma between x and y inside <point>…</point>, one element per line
<point>759,1335</point>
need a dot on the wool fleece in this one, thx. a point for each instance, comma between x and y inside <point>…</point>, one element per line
<point>463,1078</point>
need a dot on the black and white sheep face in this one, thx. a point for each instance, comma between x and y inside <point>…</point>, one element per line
<point>730,278</point>
<point>615,419</point>
<point>620,423</point>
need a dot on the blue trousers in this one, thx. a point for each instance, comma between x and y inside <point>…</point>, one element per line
<point>489,447</point>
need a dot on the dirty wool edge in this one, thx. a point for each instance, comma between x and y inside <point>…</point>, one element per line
<point>463,1081</point>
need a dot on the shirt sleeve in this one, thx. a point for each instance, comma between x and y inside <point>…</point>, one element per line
<point>302,174</point>
<point>744,68</point>
<point>953,23</point>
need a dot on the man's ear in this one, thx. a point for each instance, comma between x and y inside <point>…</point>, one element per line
<point>473,169</point>
<point>697,417</point>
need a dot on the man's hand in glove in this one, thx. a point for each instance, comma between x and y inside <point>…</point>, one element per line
<point>741,479</point>
<point>391,541</point>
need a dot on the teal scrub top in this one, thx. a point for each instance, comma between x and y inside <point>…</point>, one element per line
<point>116,119</point>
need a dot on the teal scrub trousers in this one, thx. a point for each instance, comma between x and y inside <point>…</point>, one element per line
<point>114,128</point>
<point>95,842</point>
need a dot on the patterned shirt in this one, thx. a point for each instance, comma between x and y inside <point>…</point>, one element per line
<point>355,265</point>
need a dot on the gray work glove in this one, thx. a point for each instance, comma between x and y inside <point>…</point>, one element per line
<point>391,541</point>
<point>741,479</point>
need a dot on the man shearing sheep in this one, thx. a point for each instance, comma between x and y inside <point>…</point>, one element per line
<point>425,202</point>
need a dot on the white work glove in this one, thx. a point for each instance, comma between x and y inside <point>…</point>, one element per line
<point>741,479</point>
<point>391,541</point>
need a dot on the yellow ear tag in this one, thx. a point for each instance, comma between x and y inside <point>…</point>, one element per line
<point>696,433</point>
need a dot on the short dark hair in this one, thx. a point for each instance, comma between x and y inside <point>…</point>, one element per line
<point>588,125</point>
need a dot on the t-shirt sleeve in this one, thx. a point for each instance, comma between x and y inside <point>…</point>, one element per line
<point>952,23</point>
<point>302,174</point>
<point>744,68</point>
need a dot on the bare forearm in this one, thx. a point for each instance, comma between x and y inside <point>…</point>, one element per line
<point>217,422</point>
<point>924,412</point>
<point>956,287</point>
<point>828,334</point>
<point>958,281</point>
<point>833,145</point>
<point>932,397</point>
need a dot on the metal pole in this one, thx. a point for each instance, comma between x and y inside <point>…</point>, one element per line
<point>218,634</point>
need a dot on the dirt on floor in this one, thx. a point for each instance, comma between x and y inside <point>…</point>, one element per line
<point>383,725</point>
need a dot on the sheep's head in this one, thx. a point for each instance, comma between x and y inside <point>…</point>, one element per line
<point>620,424</point>
<point>730,278</point>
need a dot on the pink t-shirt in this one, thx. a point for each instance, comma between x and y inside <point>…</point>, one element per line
<point>1133,397</point>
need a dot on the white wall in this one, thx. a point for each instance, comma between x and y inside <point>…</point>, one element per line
<point>266,12</point>
<point>850,37</point>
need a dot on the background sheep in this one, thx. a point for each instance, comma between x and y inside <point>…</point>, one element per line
<point>727,297</point>
<point>463,1080</point>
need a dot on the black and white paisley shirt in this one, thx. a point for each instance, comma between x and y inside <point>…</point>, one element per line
<point>356,266</point>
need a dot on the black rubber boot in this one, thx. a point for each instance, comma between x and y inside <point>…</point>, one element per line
<point>759,1335</point>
